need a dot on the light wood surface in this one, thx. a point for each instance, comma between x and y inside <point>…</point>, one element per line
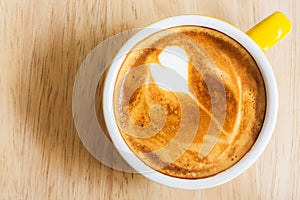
<point>42,44</point>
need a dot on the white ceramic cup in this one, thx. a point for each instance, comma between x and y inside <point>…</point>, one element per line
<point>271,106</point>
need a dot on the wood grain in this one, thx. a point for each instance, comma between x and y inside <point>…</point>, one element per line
<point>42,44</point>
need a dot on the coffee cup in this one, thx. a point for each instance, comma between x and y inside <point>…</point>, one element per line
<point>257,40</point>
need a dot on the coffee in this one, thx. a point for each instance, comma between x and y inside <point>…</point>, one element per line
<point>168,130</point>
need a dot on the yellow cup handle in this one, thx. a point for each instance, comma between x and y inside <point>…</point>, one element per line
<point>270,31</point>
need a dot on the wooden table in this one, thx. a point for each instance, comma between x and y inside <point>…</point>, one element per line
<point>43,43</point>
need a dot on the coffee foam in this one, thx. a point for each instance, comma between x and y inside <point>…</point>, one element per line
<point>175,56</point>
<point>167,130</point>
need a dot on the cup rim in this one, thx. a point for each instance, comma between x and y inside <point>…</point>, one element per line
<point>271,106</point>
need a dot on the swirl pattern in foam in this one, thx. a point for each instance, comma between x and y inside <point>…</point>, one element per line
<point>168,129</point>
